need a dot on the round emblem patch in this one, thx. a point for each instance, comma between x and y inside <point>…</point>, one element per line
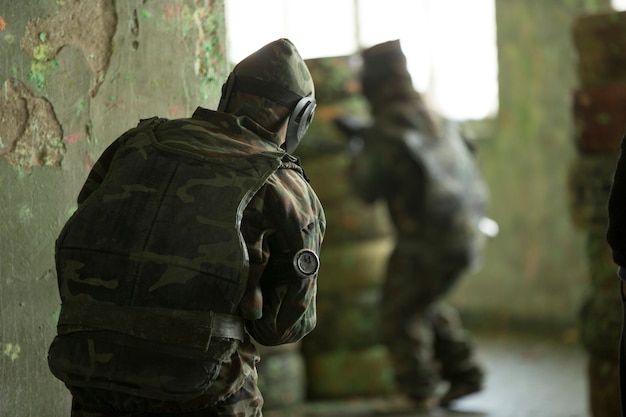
<point>306,263</point>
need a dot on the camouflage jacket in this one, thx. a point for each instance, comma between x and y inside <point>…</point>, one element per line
<point>423,175</point>
<point>282,218</point>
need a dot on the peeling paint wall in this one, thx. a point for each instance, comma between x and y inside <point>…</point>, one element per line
<point>66,93</point>
<point>31,134</point>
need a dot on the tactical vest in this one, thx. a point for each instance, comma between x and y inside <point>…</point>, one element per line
<point>152,267</point>
<point>454,197</point>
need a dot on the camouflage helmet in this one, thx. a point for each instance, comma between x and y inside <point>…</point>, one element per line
<point>275,80</point>
<point>384,74</point>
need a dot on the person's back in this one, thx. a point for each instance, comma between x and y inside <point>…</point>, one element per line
<point>428,178</point>
<point>190,235</point>
<point>165,217</point>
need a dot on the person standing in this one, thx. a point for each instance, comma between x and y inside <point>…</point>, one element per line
<point>436,198</point>
<point>191,237</point>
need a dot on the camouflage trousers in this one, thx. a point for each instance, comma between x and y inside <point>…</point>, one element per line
<point>425,337</point>
<point>245,402</point>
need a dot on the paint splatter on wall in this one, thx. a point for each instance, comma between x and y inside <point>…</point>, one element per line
<point>31,134</point>
<point>210,48</point>
<point>44,37</point>
<point>11,350</point>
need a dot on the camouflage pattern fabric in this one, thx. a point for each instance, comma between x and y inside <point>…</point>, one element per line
<point>428,180</point>
<point>386,80</point>
<point>279,64</point>
<point>453,200</point>
<point>279,215</point>
<point>425,338</point>
<point>247,401</point>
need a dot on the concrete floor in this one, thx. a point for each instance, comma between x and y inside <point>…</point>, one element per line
<point>527,376</point>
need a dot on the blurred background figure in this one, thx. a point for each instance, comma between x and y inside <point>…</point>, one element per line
<point>436,198</point>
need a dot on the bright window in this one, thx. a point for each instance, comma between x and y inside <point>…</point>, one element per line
<point>450,44</point>
<point>619,4</point>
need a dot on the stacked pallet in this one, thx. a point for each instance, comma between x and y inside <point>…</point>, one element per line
<point>282,376</point>
<point>344,355</point>
<point>599,110</point>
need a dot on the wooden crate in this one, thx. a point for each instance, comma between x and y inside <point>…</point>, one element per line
<point>600,118</point>
<point>600,40</point>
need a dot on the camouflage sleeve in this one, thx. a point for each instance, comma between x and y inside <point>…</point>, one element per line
<point>283,309</point>
<point>98,172</point>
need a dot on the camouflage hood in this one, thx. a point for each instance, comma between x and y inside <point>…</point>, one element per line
<point>280,64</point>
<point>280,70</point>
<point>384,75</point>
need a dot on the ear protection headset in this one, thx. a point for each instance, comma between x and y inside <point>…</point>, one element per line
<point>227,90</point>
<point>303,107</point>
<point>299,121</point>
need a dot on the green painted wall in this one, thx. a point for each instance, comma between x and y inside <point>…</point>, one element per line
<point>535,272</point>
<point>65,94</point>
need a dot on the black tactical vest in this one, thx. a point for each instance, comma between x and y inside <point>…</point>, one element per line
<point>455,196</point>
<point>152,266</point>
